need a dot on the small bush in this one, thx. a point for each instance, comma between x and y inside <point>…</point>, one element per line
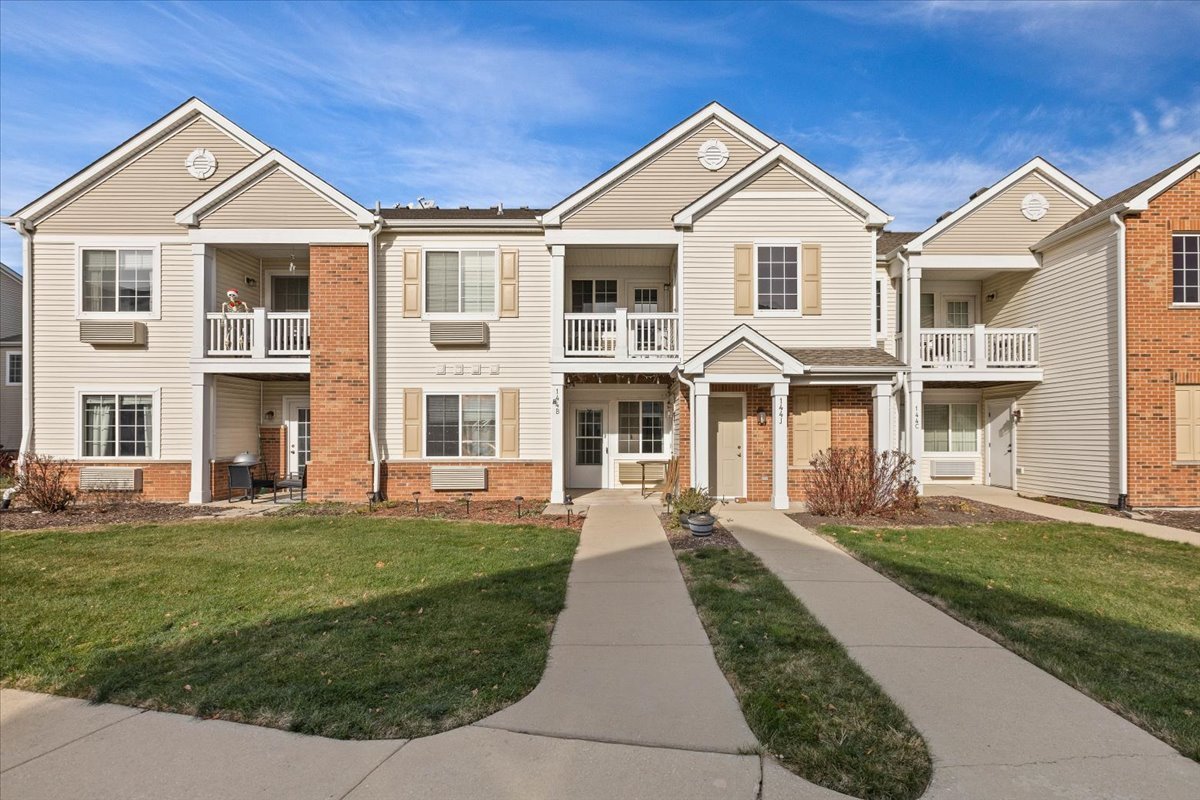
<point>854,482</point>
<point>694,501</point>
<point>8,469</point>
<point>43,483</point>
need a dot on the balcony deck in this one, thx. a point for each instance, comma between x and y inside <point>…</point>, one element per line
<point>621,336</point>
<point>259,341</point>
<point>978,352</point>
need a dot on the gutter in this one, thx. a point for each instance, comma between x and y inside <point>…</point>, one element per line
<point>1079,227</point>
<point>1122,372</point>
<point>691,424</point>
<point>372,349</point>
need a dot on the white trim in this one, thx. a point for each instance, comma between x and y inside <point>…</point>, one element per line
<point>99,238</point>
<point>117,246</point>
<point>879,317</point>
<point>616,236</point>
<point>987,439</point>
<point>711,112</point>
<point>279,236</point>
<point>569,451</point>
<point>1068,185</point>
<point>949,400</point>
<point>987,374</point>
<point>459,393</point>
<point>267,291</point>
<point>798,311</point>
<point>155,422</point>
<point>1022,261</point>
<point>712,445</point>
<point>258,170</point>
<point>288,404</point>
<point>435,223</point>
<point>744,334</point>
<point>610,366</point>
<point>485,316</point>
<point>217,365</point>
<point>8,357</point>
<point>140,141</point>
<point>870,213</point>
<point>642,455</point>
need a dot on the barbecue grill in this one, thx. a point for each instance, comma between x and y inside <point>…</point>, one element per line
<point>241,477</point>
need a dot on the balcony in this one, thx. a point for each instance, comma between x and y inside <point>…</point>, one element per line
<point>978,348</point>
<point>259,334</point>
<point>621,336</point>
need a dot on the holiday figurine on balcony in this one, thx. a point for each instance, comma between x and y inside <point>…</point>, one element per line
<point>234,303</point>
<point>236,334</point>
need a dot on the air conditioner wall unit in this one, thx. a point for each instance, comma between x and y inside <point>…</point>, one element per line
<point>445,333</point>
<point>112,332</point>
<point>110,479</point>
<point>949,468</point>
<point>458,478</point>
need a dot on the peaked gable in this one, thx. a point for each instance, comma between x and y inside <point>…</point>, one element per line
<point>277,201</point>
<point>778,179</point>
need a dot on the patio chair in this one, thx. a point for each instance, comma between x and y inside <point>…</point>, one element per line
<point>241,477</point>
<point>293,482</point>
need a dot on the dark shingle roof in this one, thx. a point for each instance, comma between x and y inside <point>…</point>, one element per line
<point>451,214</point>
<point>890,240</point>
<point>1123,196</point>
<point>845,357</point>
<point>8,340</point>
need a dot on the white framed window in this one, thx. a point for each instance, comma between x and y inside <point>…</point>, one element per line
<point>951,427</point>
<point>880,305</point>
<point>460,425</point>
<point>641,426</point>
<point>461,283</point>
<point>777,278</point>
<point>12,368</point>
<point>118,423</point>
<point>1185,269</point>
<point>117,281</point>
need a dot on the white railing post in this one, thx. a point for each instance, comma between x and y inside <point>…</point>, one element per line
<point>258,334</point>
<point>979,347</point>
<point>622,332</point>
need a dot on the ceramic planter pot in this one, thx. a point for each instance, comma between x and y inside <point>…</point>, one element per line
<point>701,524</point>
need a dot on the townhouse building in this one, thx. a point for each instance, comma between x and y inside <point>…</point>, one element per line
<point>715,300</point>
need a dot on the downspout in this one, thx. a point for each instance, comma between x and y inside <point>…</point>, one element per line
<point>26,231</point>
<point>372,349</point>
<point>1122,376</point>
<point>691,425</point>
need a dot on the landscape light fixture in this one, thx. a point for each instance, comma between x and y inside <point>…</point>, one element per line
<point>417,500</point>
<point>518,500</point>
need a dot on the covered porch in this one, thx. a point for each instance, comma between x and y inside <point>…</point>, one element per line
<point>270,316</point>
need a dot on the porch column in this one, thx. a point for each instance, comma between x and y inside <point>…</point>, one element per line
<point>202,420</point>
<point>557,279</point>
<point>881,409</point>
<point>700,473</point>
<point>912,321</point>
<point>203,277</point>
<point>558,466</point>
<point>779,445</point>
<point>916,435</point>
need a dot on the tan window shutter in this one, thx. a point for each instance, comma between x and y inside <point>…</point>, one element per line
<point>510,423</point>
<point>812,425</point>
<point>811,290</point>
<point>743,279</point>
<point>412,423</point>
<point>1187,423</point>
<point>412,283</point>
<point>509,294</point>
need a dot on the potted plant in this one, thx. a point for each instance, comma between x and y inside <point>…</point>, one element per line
<point>693,502</point>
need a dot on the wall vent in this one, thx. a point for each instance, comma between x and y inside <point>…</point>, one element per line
<point>458,334</point>
<point>110,479</point>
<point>460,478</point>
<point>952,469</point>
<point>120,332</point>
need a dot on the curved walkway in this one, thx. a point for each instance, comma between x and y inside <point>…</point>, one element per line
<point>996,725</point>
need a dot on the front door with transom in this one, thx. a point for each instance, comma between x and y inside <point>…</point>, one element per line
<point>727,434</point>
<point>298,421</point>
<point>1000,443</point>
<point>587,453</point>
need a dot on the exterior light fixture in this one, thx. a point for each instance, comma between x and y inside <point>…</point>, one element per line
<point>762,416</point>
<point>568,502</point>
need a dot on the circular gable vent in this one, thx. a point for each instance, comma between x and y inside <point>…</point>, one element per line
<point>201,163</point>
<point>1034,206</point>
<point>713,154</point>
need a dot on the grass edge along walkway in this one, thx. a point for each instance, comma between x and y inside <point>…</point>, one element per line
<point>811,706</point>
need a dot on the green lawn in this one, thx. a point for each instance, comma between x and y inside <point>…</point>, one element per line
<point>345,627</point>
<point>1113,613</point>
<point>811,706</point>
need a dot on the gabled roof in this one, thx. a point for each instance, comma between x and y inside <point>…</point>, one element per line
<point>782,154</point>
<point>818,358</point>
<point>5,269</point>
<point>249,175</point>
<point>1037,165</point>
<point>712,111</point>
<point>136,144</point>
<point>1133,198</point>
<point>890,240</point>
<point>744,334</point>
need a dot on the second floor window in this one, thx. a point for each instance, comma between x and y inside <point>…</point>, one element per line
<point>460,282</point>
<point>778,278</point>
<point>1185,267</point>
<point>593,297</point>
<point>117,281</point>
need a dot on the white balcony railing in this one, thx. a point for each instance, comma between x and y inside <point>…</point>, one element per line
<point>978,347</point>
<point>259,334</point>
<point>621,335</point>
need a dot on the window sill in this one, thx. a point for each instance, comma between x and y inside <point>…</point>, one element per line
<point>118,315</point>
<point>117,459</point>
<point>785,314</point>
<point>434,317</point>
<point>1193,306</point>
<point>1185,463</point>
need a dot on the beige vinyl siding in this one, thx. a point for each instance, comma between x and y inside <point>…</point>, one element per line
<point>273,394</point>
<point>999,228</point>
<point>235,409</point>
<point>1067,438</point>
<point>10,305</point>
<point>278,201</point>
<point>741,360</point>
<point>519,349</point>
<point>143,197</point>
<point>62,363</point>
<point>847,271</point>
<point>233,267</point>
<point>890,309</point>
<point>778,179</point>
<point>649,197</point>
<point>10,406</point>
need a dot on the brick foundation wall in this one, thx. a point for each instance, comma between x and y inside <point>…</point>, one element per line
<point>507,479</point>
<point>682,416</point>
<point>340,468</point>
<point>1161,341</point>
<point>162,481</point>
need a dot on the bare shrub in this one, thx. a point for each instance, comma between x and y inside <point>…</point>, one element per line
<point>8,469</point>
<point>855,482</point>
<point>42,483</point>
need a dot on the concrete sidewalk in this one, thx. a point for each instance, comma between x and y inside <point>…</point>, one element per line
<point>1010,499</point>
<point>997,726</point>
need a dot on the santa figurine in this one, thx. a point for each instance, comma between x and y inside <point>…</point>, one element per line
<point>234,304</point>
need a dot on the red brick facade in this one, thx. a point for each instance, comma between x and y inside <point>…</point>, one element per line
<point>340,468</point>
<point>1163,344</point>
<point>162,481</point>
<point>506,479</point>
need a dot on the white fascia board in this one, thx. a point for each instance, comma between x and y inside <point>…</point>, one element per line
<point>1082,195</point>
<point>716,111</point>
<point>1142,201</point>
<point>997,262</point>
<point>131,147</point>
<point>279,236</point>
<point>1062,234</point>
<point>609,366</point>
<point>250,366</point>
<point>744,334</point>
<point>244,179</point>
<point>871,214</point>
<point>631,237</point>
<point>993,375</point>
<point>859,370</point>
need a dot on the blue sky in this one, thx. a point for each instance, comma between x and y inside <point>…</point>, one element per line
<point>915,105</point>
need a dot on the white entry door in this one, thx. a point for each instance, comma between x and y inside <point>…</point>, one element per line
<point>298,420</point>
<point>1000,443</point>
<point>587,451</point>
<point>727,435</point>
